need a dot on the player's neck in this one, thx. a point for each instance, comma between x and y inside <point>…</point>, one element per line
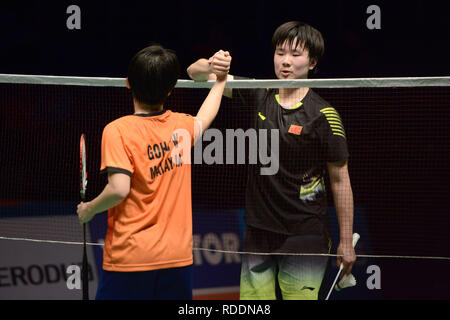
<point>146,109</point>
<point>291,96</point>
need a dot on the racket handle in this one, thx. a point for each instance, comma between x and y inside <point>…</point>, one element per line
<point>355,239</point>
<point>84,269</point>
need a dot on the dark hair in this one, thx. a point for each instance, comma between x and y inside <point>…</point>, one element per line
<point>152,74</point>
<point>306,35</point>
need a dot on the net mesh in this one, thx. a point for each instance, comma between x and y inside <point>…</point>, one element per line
<point>397,133</point>
<point>398,144</point>
<point>397,138</point>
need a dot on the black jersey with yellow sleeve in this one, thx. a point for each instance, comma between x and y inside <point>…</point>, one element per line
<point>311,133</point>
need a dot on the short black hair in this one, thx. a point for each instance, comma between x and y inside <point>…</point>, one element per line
<point>306,35</point>
<point>152,73</point>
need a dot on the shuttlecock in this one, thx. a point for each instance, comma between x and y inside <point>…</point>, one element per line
<point>346,281</point>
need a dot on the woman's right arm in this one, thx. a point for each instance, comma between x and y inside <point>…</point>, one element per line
<point>206,69</point>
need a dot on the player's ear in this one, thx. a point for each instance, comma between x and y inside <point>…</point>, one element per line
<point>312,63</point>
<point>170,92</point>
<point>128,84</point>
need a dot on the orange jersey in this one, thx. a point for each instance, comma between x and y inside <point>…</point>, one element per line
<point>152,227</point>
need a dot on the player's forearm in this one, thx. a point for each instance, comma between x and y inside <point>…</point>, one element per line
<point>343,201</point>
<point>211,105</point>
<point>199,70</point>
<point>107,199</point>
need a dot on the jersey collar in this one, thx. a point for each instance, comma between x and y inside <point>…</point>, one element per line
<point>298,105</point>
<point>153,114</point>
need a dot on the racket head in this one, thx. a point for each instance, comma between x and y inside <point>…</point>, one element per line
<point>83,170</point>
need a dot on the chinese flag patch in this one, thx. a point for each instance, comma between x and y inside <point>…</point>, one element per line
<point>295,129</point>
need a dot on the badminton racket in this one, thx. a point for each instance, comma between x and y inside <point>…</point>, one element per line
<point>83,185</point>
<point>354,242</point>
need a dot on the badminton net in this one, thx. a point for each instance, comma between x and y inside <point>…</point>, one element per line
<point>396,130</point>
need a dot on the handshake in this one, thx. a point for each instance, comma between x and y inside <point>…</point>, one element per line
<point>219,64</point>
<point>216,67</point>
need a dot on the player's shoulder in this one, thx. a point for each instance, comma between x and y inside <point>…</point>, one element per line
<point>119,122</point>
<point>316,102</point>
<point>316,105</point>
<point>182,116</point>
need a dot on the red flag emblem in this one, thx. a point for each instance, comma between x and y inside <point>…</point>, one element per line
<point>295,129</point>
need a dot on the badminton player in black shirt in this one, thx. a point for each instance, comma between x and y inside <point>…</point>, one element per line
<point>286,212</point>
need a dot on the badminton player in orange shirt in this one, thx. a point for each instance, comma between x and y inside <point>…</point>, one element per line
<point>148,245</point>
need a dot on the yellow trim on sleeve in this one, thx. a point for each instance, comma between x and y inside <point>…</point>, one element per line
<point>335,121</point>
